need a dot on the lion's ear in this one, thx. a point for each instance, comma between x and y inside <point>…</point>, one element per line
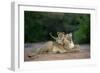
<point>70,34</point>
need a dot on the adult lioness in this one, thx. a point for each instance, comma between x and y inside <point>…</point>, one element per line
<point>66,42</point>
<point>54,46</point>
<point>69,44</point>
<point>63,43</point>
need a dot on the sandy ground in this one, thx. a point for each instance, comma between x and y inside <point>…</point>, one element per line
<point>83,54</point>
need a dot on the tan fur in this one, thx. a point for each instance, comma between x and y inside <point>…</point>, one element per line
<point>63,43</point>
<point>47,47</point>
<point>51,47</point>
<point>58,48</point>
<point>69,45</point>
<point>60,37</point>
<point>54,47</point>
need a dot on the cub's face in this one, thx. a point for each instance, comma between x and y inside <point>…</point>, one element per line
<point>60,37</point>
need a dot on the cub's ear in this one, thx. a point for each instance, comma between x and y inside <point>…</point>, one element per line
<point>70,34</point>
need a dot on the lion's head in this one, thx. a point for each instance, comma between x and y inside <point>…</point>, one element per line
<point>68,37</point>
<point>60,37</point>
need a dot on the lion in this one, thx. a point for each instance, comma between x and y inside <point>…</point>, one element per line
<point>62,44</point>
<point>69,44</point>
<point>54,46</point>
<point>49,47</point>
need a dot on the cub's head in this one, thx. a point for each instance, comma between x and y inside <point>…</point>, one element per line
<point>60,37</point>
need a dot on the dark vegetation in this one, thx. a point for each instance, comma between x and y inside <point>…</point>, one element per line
<point>38,25</point>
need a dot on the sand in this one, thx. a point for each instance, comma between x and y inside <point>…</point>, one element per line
<point>83,54</point>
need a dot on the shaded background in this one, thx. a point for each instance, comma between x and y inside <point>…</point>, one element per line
<point>38,25</point>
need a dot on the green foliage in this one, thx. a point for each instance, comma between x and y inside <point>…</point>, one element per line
<point>38,25</point>
<point>82,35</point>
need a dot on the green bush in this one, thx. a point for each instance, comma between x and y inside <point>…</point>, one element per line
<point>82,35</point>
<point>38,25</point>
